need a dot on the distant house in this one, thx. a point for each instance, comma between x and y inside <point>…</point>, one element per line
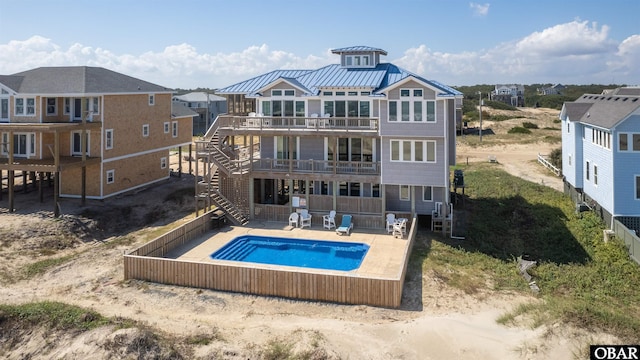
<point>95,132</point>
<point>510,94</point>
<point>361,137</point>
<point>601,153</point>
<point>556,89</point>
<point>208,107</point>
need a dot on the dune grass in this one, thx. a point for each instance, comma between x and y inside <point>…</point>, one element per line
<point>583,280</point>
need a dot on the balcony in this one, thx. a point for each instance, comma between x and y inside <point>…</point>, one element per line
<point>316,167</point>
<point>299,125</point>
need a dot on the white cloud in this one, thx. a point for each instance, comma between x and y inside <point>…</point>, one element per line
<point>479,9</point>
<point>576,52</point>
<point>177,66</point>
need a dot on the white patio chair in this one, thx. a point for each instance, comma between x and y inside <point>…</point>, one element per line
<point>305,218</point>
<point>329,221</point>
<point>391,219</point>
<point>293,219</point>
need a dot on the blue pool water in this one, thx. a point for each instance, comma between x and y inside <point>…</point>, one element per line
<point>317,254</point>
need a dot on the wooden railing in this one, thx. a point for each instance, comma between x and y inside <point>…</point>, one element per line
<point>316,166</point>
<point>299,123</point>
<point>549,165</point>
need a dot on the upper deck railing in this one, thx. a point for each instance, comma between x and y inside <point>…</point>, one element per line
<point>344,124</point>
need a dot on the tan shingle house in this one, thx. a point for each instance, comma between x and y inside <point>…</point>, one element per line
<point>129,127</point>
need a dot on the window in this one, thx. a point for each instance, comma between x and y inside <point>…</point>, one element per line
<point>166,127</point>
<point>152,99</point>
<point>427,193</point>
<point>276,92</point>
<point>568,127</point>
<point>163,163</point>
<point>52,106</point>
<point>413,150</point>
<point>67,106</point>
<point>76,143</point>
<point>174,129</point>
<point>110,176</point>
<point>357,60</point>
<point>92,105</point>
<point>404,192</point>
<point>25,106</point>
<point>24,144</point>
<point>637,187</point>
<point>622,142</point>
<point>595,174</point>
<point>145,130</point>
<point>413,107</point>
<point>108,139</point>
<point>587,171</point>
<point>266,108</point>
<point>625,138</point>
<point>351,108</point>
<point>601,138</point>
<point>393,111</point>
<point>569,159</point>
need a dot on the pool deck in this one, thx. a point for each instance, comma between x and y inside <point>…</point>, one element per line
<point>384,260</point>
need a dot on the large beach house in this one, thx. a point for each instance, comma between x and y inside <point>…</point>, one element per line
<point>601,153</point>
<point>361,137</point>
<point>94,132</point>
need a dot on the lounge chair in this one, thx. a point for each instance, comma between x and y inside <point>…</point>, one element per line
<point>345,226</point>
<point>293,220</point>
<point>391,219</point>
<point>329,221</point>
<point>305,218</point>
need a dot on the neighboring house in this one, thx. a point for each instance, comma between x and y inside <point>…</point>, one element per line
<point>510,94</point>
<point>362,137</point>
<point>556,89</point>
<point>601,153</point>
<point>96,132</point>
<point>208,107</point>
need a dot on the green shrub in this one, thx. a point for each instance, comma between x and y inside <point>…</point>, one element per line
<point>555,157</point>
<point>529,125</point>
<point>519,130</point>
<point>499,105</point>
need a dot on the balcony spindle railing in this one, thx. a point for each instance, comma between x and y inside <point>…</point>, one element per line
<point>298,123</point>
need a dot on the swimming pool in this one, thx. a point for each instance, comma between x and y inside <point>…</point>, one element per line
<point>319,254</point>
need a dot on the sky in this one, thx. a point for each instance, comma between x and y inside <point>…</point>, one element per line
<point>212,44</point>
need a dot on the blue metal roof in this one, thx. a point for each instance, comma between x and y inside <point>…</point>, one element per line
<point>252,85</point>
<point>358,49</point>
<point>336,76</point>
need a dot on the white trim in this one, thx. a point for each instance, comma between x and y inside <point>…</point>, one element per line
<point>113,176</point>
<point>145,130</point>
<point>146,152</point>
<point>400,193</point>
<point>106,143</point>
<point>115,193</point>
<point>167,127</point>
<point>424,186</point>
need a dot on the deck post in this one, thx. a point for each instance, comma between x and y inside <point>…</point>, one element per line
<point>197,190</point>
<point>179,161</point>
<point>40,192</point>
<point>24,182</point>
<point>11,195</point>
<point>56,179</point>
<point>251,199</point>
<point>190,152</point>
<point>10,173</point>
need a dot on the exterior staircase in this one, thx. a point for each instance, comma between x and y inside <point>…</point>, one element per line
<point>209,187</point>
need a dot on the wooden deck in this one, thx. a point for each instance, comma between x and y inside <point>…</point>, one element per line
<point>378,281</point>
